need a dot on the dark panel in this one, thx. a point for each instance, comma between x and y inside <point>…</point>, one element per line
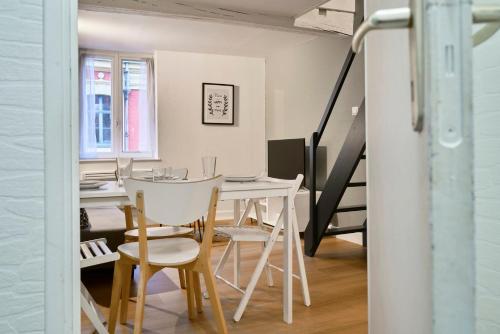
<point>286,158</point>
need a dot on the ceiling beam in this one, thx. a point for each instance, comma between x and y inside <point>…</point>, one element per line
<point>335,16</point>
<point>189,10</point>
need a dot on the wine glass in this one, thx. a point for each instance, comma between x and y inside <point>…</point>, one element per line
<point>124,167</point>
<point>209,163</point>
<point>159,173</point>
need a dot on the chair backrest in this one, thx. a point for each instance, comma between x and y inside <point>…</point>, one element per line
<point>294,183</point>
<point>295,186</point>
<point>173,203</point>
<point>94,252</point>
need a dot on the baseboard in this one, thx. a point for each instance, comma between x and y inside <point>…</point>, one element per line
<point>356,238</point>
<point>224,215</point>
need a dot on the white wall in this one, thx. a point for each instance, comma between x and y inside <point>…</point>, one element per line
<point>486,60</point>
<point>22,168</point>
<point>299,81</point>
<point>399,252</point>
<point>182,139</point>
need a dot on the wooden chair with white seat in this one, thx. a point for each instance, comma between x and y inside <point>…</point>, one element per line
<point>156,230</point>
<point>241,233</point>
<point>176,203</point>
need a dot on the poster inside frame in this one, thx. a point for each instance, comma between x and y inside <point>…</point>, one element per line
<point>218,104</point>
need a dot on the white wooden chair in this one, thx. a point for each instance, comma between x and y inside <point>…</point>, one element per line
<point>241,233</point>
<point>175,203</point>
<point>157,231</point>
<point>92,253</point>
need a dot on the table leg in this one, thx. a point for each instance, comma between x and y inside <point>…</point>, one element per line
<point>287,259</point>
<point>300,260</point>
<point>236,267</point>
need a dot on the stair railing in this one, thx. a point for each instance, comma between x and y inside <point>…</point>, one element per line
<point>315,139</point>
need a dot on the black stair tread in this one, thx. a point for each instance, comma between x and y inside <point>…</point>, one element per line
<point>356,184</point>
<point>345,230</point>
<point>349,208</point>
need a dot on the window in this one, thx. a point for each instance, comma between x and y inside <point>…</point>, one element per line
<point>117,111</point>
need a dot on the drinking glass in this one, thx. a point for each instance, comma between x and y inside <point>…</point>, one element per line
<point>159,173</point>
<point>123,169</point>
<point>209,164</point>
<point>168,173</point>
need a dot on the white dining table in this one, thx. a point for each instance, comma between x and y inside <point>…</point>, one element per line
<point>111,194</point>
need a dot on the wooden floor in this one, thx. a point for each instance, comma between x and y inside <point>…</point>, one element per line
<point>337,281</point>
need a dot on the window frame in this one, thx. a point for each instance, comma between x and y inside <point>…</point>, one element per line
<point>117,107</point>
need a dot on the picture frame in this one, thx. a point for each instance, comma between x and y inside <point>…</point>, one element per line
<point>218,104</point>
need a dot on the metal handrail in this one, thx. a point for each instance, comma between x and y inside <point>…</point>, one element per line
<point>316,136</point>
<point>336,92</point>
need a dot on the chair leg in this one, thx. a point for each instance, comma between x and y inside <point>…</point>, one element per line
<point>126,281</point>
<point>197,291</point>
<point>115,297</point>
<point>190,294</point>
<point>302,267</point>
<point>269,273</point>
<point>182,278</point>
<point>214,298</point>
<point>224,257</point>
<point>258,214</point>
<point>141,299</point>
<point>89,311</point>
<point>257,272</point>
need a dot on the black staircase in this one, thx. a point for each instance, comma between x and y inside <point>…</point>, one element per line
<point>351,153</point>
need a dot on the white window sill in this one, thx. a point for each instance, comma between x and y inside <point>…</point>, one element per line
<point>114,160</point>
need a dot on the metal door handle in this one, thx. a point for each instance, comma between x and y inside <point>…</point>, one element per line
<point>489,15</point>
<point>395,18</point>
<point>398,18</point>
<point>412,17</point>
<point>485,14</point>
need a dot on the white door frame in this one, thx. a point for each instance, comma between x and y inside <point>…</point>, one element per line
<point>449,111</point>
<point>62,261</point>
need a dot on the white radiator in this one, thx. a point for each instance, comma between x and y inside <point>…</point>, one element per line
<point>109,175</point>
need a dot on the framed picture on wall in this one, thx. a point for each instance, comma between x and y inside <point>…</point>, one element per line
<point>218,104</point>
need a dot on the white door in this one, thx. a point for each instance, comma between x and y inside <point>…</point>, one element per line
<point>399,246</point>
<point>434,228</point>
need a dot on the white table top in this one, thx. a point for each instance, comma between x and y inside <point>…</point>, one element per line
<point>111,189</point>
<point>254,185</point>
<point>229,190</point>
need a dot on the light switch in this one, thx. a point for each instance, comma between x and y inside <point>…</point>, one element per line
<point>355,111</point>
